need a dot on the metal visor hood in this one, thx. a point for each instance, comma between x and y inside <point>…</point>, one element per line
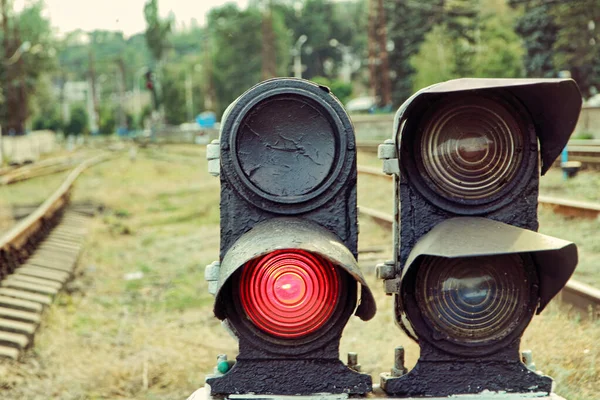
<point>554,105</point>
<point>291,233</point>
<point>554,259</point>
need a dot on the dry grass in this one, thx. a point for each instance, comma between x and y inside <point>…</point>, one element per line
<point>156,338</point>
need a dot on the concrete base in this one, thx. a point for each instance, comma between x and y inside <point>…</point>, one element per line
<point>204,394</point>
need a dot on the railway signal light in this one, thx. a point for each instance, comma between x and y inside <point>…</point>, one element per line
<point>288,280</point>
<point>470,271</point>
<point>149,80</point>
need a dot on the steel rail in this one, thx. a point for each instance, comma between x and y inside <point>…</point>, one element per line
<point>566,207</point>
<point>37,169</point>
<point>37,257</point>
<point>19,234</point>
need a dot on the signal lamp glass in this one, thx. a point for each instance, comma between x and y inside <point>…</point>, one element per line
<point>471,148</point>
<point>289,293</point>
<point>473,300</point>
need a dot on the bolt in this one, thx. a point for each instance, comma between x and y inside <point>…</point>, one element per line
<point>353,361</point>
<point>223,365</point>
<point>399,368</point>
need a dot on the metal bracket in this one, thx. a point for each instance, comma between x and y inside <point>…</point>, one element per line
<point>387,152</point>
<point>211,275</point>
<point>213,154</point>
<point>386,270</point>
<point>391,286</point>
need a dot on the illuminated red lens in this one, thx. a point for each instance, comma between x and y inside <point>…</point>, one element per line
<point>289,293</point>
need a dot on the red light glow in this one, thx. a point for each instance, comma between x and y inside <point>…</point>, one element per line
<point>289,293</point>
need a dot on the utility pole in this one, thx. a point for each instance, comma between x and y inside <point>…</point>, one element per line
<point>379,68</point>
<point>189,96</point>
<point>6,76</point>
<point>94,119</point>
<point>372,44</point>
<point>209,97</point>
<point>122,84</point>
<point>269,63</point>
<point>384,73</point>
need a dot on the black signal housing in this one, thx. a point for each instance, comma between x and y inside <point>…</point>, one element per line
<point>287,163</point>
<point>466,163</point>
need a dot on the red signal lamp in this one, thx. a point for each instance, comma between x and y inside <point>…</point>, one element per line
<point>289,293</point>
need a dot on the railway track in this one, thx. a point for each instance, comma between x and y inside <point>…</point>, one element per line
<point>568,208</point>
<point>40,168</point>
<point>37,258</point>
<point>582,297</point>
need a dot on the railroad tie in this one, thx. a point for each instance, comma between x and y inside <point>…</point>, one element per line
<point>31,288</point>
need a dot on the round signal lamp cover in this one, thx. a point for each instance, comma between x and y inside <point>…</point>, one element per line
<point>289,293</point>
<point>473,300</point>
<point>471,148</point>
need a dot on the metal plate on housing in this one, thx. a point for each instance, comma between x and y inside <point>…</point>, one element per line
<point>291,233</point>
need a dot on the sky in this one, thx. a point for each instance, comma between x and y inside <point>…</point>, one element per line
<point>123,15</point>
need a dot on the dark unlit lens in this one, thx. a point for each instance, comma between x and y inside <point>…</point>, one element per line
<point>471,148</point>
<point>475,299</point>
<point>286,146</point>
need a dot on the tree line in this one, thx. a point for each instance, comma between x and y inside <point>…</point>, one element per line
<point>425,42</point>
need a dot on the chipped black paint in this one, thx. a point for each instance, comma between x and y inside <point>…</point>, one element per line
<point>288,149</point>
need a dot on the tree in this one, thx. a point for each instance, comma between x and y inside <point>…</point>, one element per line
<point>157,30</point>
<point>236,46</point>
<point>408,23</point>
<point>577,45</point>
<point>28,55</point>
<point>174,95</point>
<point>495,53</point>
<point>538,31</point>
<point>108,122</point>
<point>341,90</point>
<point>460,24</point>
<point>79,121</point>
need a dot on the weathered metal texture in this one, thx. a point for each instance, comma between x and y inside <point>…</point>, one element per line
<point>291,233</point>
<point>555,259</point>
<point>538,116</point>
<point>432,377</point>
<point>282,142</point>
<point>288,180</point>
<point>290,377</point>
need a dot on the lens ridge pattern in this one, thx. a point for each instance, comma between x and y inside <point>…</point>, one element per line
<point>471,149</point>
<point>473,300</point>
<point>289,293</point>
